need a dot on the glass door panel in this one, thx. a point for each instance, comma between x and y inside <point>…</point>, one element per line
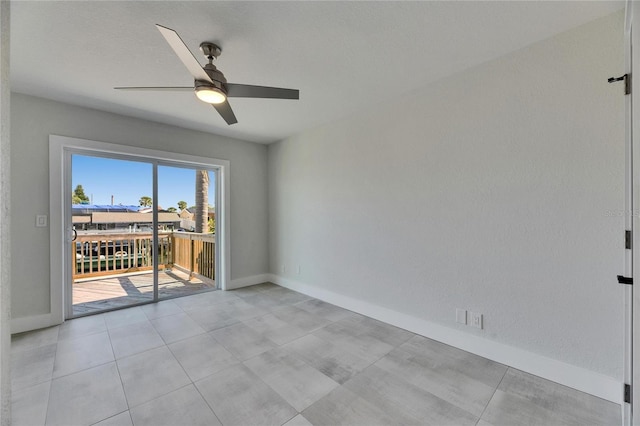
<point>186,228</point>
<point>112,216</point>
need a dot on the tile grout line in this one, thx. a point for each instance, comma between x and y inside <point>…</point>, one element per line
<point>115,361</point>
<point>51,381</point>
<point>117,414</point>
<point>205,399</point>
<point>493,394</point>
<point>53,367</point>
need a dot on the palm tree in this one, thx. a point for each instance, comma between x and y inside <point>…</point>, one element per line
<point>182,205</point>
<point>201,215</point>
<point>146,201</point>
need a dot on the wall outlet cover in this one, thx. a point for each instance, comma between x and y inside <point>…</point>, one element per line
<point>461,316</point>
<point>476,320</point>
<point>41,221</point>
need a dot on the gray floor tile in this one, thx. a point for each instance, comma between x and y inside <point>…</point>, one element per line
<point>275,329</point>
<point>79,327</point>
<point>270,298</point>
<point>264,286</point>
<point>161,309</point>
<point>29,405</point>
<point>86,397</point>
<point>287,296</point>
<point>150,374</point>
<point>324,309</point>
<point>523,398</point>
<point>219,296</point>
<point>239,397</point>
<point>298,420</point>
<point>344,407</point>
<point>302,319</point>
<point>436,355</point>
<point>297,382</point>
<point>134,338</point>
<point>34,339</point>
<point>362,345</point>
<point>242,341</point>
<point>212,319</point>
<point>202,356</point>
<point>386,333</point>
<point>184,406</point>
<point>176,327</point>
<point>246,291</point>
<point>242,310</point>
<point>398,397</point>
<point>513,410</point>
<point>192,302</point>
<point>205,300</point>
<point>30,367</point>
<point>73,355</point>
<point>265,301</point>
<point>122,419</point>
<point>443,380</point>
<point>124,317</point>
<point>332,360</point>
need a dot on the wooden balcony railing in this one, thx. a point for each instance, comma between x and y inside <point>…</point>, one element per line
<point>108,254</point>
<point>195,253</point>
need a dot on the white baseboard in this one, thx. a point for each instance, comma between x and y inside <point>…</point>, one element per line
<point>35,322</point>
<point>247,281</point>
<point>557,371</point>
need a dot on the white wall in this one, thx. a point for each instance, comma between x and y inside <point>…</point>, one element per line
<point>487,191</point>
<point>5,221</point>
<point>34,119</point>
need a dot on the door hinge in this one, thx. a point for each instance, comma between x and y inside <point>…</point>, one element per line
<point>627,240</point>
<point>627,82</point>
<point>627,393</point>
<point>625,280</point>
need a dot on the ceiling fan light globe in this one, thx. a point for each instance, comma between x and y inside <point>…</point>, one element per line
<point>210,95</point>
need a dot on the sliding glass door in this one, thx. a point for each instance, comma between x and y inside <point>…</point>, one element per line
<point>141,231</point>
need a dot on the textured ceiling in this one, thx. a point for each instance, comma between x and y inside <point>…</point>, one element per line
<point>343,56</point>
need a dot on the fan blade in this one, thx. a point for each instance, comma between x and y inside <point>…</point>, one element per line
<point>184,53</point>
<point>164,89</point>
<point>224,109</point>
<point>247,91</point>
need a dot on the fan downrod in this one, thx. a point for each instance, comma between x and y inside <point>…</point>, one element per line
<point>210,50</point>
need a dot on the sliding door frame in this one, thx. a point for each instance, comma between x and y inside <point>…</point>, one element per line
<point>61,148</point>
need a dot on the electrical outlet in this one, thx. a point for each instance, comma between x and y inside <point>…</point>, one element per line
<point>298,270</point>
<point>476,320</point>
<point>461,316</point>
<point>41,221</point>
<point>284,268</point>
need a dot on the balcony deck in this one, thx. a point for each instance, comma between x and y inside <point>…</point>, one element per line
<point>115,291</point>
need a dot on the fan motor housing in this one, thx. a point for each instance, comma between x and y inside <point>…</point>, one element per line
<point>210,49</point>
<point>217,84</point>
<point>214,74</point>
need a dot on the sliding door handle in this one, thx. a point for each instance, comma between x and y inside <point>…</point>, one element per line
<point>625,280</point>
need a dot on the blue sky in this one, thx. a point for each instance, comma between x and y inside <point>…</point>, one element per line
<point>127,181</point>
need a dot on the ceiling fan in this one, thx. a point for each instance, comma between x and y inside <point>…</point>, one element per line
<point>210,85</point>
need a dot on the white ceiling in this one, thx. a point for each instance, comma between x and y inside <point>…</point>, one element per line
<point>343,56</point>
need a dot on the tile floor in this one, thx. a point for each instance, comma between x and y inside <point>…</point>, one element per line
<point>265,355</point>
